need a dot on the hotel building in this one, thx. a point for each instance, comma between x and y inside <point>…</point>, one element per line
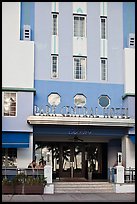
<point>68,86</point>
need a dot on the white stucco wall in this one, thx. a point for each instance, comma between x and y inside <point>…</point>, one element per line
<point>17,56</point>
<point>128,151</point>
<point>25,155</point>
<point>129,64</point>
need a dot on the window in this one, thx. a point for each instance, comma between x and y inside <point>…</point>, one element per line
<point>79,26</point>
<point>54,24</point>
<point>27,33</point>
<point>79,67</point>
<point>9,104</point>
<point>79,100</point>
<point>104,101</point>
<point>131,42</point>
<point>103,28</point>
<point>54,72</point>
<point>9,157</point>
<point>54,99</point>
<point>103,69</point>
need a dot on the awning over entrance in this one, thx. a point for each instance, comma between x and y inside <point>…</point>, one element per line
<point>15,140</point>
<point>132,137</point>
<point>61,120</point>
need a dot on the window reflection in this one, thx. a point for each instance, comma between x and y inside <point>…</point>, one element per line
<point>9,157</point>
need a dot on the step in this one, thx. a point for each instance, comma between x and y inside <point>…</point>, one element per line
<point>83,187</point>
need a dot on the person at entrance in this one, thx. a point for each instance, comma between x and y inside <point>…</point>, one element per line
<point>33,165</point>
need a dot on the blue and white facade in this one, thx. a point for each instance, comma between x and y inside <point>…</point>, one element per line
<point>70,69</point>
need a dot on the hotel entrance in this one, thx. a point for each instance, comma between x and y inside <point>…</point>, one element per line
<point>74,160</point>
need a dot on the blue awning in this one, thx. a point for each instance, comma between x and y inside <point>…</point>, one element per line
<point>15,140</point>
<point>132,137</point>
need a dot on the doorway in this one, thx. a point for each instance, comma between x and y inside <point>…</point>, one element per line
<point>72,160</point>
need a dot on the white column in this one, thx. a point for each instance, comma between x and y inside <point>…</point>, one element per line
<point>128,152</point>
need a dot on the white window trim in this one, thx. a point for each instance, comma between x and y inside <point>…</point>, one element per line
<point>54,13</point>
<point>85,28</point>
<point>85,68</point>
<point>85,100</point>
<point>52,77</point>
<point>108,99</point>
<point>106,69</point>
<point>3,105</point>
<point>106,30</point>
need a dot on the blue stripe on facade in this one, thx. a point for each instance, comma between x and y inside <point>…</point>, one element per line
<point>27,17</point>
<point>67,90</point>
<point>91,131</point>
<point>15,140</point>
<point>128,20</point>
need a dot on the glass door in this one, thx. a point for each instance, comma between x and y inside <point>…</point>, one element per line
<point>72,158</point>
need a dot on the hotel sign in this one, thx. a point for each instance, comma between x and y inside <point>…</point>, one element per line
<point>69,111</point>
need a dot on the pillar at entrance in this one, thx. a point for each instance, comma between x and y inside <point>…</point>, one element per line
<point>49,188</point>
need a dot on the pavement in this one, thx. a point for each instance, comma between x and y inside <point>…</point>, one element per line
<point>72,197</point>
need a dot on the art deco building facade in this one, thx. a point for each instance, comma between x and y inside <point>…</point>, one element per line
<point>68,82</point>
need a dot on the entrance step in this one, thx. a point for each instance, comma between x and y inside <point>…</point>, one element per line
<point>83,187</point>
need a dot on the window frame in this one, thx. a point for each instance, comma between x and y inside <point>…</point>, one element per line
<point>79,26</point>
<point>103,95</point>
<point>5,153</point>
<point>55,29</point>
<point>105,69</point>
<point>9,92</point>
<point>54,93</point>
<point>79,57</point>
<point>54,55</point>
<point>78,95</point>
<point>105,28</point>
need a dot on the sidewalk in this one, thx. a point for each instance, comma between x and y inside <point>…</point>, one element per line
<point>72,197</point>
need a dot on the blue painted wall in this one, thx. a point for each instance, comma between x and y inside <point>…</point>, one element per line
<point>115,43</point>
<point>128,20</point>
<point>67,90</point>
<point>24,109</point>
<point>43,31</point>
<point>43,22</point>
<point>27,17</point>
<point>129,102</point>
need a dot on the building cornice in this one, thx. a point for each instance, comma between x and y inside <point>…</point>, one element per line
<point>19,89</point>
<point>63,120</point>
<point>128,94</point>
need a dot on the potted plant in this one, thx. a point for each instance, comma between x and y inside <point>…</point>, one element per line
<point>7,186</point>
<point>34,185</point>
<point>18,183</point>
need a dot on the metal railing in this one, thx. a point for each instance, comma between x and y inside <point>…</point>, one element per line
<point>129,175</point>
<point>10,173</point>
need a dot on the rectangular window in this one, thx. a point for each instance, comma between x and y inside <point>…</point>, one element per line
<point>55,24</point>
<point>9,157</point>
<point>79,67</point>
<point>79,26</point>
<point>9,104</point>
<point>54,72</point>
<point>103,28</point>
<point>103,69</point>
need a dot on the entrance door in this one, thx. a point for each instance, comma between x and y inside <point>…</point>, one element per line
<point>72,161</point>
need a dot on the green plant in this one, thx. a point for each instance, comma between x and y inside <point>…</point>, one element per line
<point>19,179</point>
<point>35,180</point>
<point>6,181</point>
